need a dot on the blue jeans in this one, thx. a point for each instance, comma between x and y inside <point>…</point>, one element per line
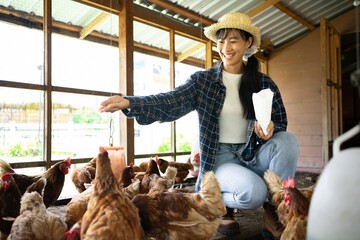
<point>241,182</point>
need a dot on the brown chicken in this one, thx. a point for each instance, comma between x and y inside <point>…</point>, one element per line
<point>110,214</point>
<point>151,173</point>
<point>127,175</point>
<point>283,192</point>
<point>298,209</point>
<point>77,206</point>
<point>9,203</point>
<point>183,215</point>
<point>5,167</point>
<point>35,221</point>
<point>182,168</point>
<point>83,175</point>
<point>55,178</point>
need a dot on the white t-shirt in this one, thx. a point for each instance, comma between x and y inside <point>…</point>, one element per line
<point>233,125</point>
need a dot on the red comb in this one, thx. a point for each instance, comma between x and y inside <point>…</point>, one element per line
<point>7,175</point>
<point>102,149</point>
<point>289,183</point>
<point>131,164</point>
<point>68,162</point>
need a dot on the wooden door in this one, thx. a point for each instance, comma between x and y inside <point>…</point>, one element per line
<point>330,86</point>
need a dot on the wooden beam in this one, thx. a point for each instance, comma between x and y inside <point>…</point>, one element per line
<point>294,16</point>
<point>93,24</point>
<point>267,44</point>
<point>209,55</point>
<point>126,39</point>
<point>152,18</point>
<point>190,51</point>
<point>183,11</point>
<point>262,7</point>
<point>111,6</point>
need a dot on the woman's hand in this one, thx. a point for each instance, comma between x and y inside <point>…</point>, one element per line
<point>259,132</point>
<point>114,103</point>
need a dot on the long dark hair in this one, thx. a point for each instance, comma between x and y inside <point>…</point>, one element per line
<point>250,80</point>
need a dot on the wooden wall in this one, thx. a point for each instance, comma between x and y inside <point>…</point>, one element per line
<point>297,71</point>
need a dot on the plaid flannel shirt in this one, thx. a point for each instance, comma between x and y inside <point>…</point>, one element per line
<point>205,93</point>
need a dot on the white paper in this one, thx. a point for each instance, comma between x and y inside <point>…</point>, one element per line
<point>262,105</point>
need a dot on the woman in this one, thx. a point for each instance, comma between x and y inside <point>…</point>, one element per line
<point>232,143</point>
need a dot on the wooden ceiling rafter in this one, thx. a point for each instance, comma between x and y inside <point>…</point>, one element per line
<point>183,11</point>
<point>190,51</point>
<point>296,17</point>
<point>93,24</point>
<point>111,6</point>
<point>262,7</point>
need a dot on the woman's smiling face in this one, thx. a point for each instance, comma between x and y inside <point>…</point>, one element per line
<point>231,49</point>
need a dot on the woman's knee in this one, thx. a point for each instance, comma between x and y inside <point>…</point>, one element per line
<point>253,197</point>
<point>288,142</point>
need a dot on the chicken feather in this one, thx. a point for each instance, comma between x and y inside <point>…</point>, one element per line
<point>110,214</point>
<point>183,215</point>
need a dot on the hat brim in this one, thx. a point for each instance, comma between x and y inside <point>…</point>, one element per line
<point>210,31</point>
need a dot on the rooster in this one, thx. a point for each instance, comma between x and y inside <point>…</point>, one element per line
<point>35,221</point>
<point>291,204</point>
<point>110,214</point>
<point>9,202</point>
<point>183,215</point>
<point>83,175</point>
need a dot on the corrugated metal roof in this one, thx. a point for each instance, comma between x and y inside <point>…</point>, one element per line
<point>275,25</point>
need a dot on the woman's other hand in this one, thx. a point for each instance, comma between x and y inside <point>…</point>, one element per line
<point>259,132</point>
<point>114,103</point>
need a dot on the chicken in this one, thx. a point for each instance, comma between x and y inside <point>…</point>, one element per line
<point>5,167</point>
<point>127,175</point>
<point>9,202</point>
<point>110,214</point>
<point>35,221</point>
<point>74,232</point>
<point>83,175</point>
<point>151,172</point>
<point>195,161</point>
<point>183,215</point>
<point>291,204</point>
<point>54,176</point>
<point>298,208</point>
<point>77,206</point>
<point>276,188</point>
<point>182,168</point>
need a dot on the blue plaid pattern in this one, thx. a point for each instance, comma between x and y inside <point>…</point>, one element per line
<point>205,93</point>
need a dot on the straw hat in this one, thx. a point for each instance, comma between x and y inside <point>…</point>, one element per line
<point>234,20</point>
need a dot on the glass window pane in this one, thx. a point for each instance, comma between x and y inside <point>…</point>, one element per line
<point>78,128</point>
<point>151,76</point>
<point>23,48</point>
<point>84,64</point>
<point>78,62</point>
<point>186,127</point>
<point>21,125</point>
